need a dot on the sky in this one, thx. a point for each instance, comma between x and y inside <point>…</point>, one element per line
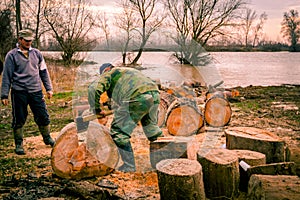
<point>273,8</point>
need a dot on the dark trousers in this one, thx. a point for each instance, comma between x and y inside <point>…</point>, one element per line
<point>21,100</point>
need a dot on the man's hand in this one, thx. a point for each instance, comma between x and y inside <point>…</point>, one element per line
<point>49,94</point>
<point>103,120</point>
<point>4,102</point>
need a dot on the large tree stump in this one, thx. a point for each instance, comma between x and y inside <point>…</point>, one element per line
<point>220,173</point>
<point>217,111</point>
<point>274,187</point>
<point>171,148</point>
<point>97,155</point>
<point>180,179</point>
<point>255,139</point>
<point>184,118</point>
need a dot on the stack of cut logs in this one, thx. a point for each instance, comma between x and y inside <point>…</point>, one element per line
<point>185,109</point>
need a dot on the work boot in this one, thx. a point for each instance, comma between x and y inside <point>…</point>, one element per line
<point>18,137</point>
<point>154,138</point>
<point>45,131</point>
<point>127,155</point>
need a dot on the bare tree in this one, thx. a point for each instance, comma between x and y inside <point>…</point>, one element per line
<point>18,16</point>
<point>104,26</point>
<point>149,21</point>
<point>33,15</point>
<point>252,27</point>
<point>247,23</point>
<point>127,22</point>
<point>290,28</point>
<point>197,22</point>
<point>71,24</point>
<point>258,28</point>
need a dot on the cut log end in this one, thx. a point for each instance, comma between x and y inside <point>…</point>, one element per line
<point>184,120</point>
<point>217,112</point>
<point>72,160</point>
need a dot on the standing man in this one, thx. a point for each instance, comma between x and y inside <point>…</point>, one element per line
<point>24,71</point>
<point>137,98</point>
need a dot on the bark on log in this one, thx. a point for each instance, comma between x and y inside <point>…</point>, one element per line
<point>71,159</point>
<point>217,111</point>
<point>184,118</point>
<point>180,179</point>
<point>220,173</point>
<point>249,138</point>
<point>166,100</point>
<point>274,187</point>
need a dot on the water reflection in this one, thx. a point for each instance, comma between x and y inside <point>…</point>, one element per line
<point>235,68</point>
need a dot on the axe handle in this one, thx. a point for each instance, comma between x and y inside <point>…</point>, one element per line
<point>93,116</point>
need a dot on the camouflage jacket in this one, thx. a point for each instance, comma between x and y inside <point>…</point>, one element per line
<point>121,84</point>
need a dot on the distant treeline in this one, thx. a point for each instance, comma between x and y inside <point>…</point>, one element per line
<point>269,47</point>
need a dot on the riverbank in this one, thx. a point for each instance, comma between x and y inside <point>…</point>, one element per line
<point>274,108</point>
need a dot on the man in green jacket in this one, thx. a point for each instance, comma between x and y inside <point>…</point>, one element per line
<point>137,98</point>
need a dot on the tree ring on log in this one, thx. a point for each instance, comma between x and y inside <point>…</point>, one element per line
<point>184,118</point>
<point>217,111</point>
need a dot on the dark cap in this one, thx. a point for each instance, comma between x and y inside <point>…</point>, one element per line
<point>26,34</point>
<point>104,66</point>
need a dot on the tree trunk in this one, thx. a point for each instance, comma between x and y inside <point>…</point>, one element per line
<point>255,139</point>
<point>180,179</point>
<point>220,173</point>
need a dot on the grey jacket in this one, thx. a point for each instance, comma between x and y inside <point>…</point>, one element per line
<point>24,74</point>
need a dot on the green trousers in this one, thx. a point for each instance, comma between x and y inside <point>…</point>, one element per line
<point>143,108</point>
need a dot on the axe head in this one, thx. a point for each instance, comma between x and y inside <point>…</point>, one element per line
<point>82,122</point>
<point>81,125</point>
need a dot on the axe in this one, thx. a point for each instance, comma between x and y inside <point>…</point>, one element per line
<point>82,122</point>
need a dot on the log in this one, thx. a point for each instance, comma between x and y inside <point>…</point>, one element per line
<point>246,171</point>
<point>251,158</point>
<point>184,118</point>
<point>95,156</point>
<point>274,187</point>
<point>170,148</point>
<point>220,173</point>
<point>217,111</point>
<point>180,179</point>
<point>166,100</point>
<point>250,138</point>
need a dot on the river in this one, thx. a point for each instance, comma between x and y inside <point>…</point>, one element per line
<point>234,68</point>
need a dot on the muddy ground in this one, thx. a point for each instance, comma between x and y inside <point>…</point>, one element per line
<point>30,176</point>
